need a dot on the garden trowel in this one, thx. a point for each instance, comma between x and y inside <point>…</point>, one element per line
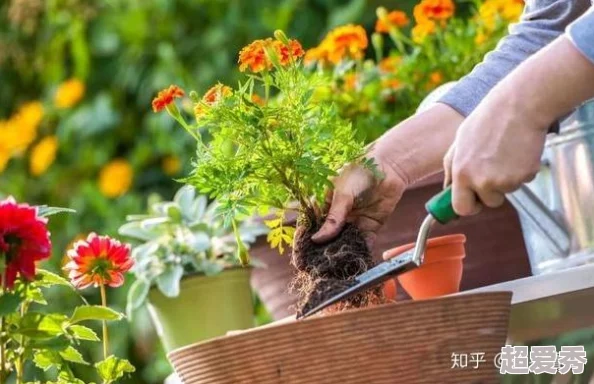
<point>439,209</point>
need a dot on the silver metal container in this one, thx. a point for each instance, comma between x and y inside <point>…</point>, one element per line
<point>565,186</point>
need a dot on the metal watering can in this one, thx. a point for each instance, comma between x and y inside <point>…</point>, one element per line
<point>556,209</point>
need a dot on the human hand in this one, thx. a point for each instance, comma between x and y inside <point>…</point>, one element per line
<point>497,149</point>
<point>408,152</point>
<point>360,198</point>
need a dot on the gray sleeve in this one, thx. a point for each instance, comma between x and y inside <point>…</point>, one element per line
<point>541,22</point>
<point>581,33</point>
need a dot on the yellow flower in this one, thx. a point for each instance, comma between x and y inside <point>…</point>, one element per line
<point>480,38</point>
<point>171,165</point>
<point>31,114</point>
<point>43,155</point>
<point>507,10</point>
<point>115,179</point>
<point>69,93</point>
<point>422,30</point>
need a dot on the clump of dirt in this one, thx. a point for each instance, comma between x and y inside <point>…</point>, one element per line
<point>324,270</point>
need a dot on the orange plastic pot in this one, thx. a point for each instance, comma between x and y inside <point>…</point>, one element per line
<point>441,271</point>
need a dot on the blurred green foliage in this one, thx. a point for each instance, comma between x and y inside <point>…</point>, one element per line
<point>125,51</point>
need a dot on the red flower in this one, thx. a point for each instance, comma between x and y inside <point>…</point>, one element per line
<point>98,260</point>
<point>166,97</point>
<point>24,239</point>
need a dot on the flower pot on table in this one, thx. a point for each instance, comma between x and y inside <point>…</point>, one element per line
<point>441,271</point>
<point>408,342</point>
<point>207,307</point>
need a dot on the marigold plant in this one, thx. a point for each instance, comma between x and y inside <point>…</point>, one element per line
<point>440,46</point>
<point>282,149</point>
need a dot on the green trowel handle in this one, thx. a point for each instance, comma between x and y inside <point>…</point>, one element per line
<point>440,206</point>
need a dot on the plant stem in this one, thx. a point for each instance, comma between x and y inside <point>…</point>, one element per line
<point>20,361</point>
<point>3,373</point>
<point>105,336</point>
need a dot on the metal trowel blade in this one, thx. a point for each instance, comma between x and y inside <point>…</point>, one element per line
<point>373,276</point>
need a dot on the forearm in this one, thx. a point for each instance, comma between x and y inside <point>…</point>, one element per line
<point>549,84</point>
<point>415,148</point>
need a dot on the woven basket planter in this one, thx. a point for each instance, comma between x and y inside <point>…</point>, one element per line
<point>410,342</point>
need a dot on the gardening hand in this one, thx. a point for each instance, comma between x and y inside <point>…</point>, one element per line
<point>408,152</point>
<point>360,198</point>
<point>498,147</point>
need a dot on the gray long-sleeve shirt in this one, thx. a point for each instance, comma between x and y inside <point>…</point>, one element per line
<point>542,21</point>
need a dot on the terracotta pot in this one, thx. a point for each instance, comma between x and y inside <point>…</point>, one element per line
<point>410,342</point>
<point>441,271</point>
<point>495,248</point>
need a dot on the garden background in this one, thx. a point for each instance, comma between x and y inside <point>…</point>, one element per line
<point>76,128</point>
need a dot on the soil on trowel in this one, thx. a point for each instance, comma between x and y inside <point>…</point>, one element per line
<point>324,270</point>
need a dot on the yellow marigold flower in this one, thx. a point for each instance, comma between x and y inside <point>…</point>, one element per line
<point>434,10</point>
<point>512,10</point>
<point>43,155</point>
<point>69,93</point>
<point>422,30</point>
<point>31,114</point>
<point>507,10</point>
<point>16,136</point>
<point>115,179</point>
<point>171,165</point>
<point>480,38</point>
<point>396,19</point>
<point>389,64</point>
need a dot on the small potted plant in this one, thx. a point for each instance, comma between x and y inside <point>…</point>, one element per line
<point>188,266</point>
<point>274,146</point>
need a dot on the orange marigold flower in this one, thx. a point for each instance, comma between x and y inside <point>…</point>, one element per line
<point>436,10</point>
<point>98,261</point>
<point>348,41</point>
<point>436,78</point>
<point>422,30</point>
<point>316,54</point>
<point>396,19</point>
<point>216,93</point>
<point>166,97</point>
<point>256,99</point>
<point>290,52</point>
<point>253,56</point>
<point>391,83</point>
<point>389,64</point>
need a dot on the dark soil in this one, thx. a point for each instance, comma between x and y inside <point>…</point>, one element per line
<point>327,269</point>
